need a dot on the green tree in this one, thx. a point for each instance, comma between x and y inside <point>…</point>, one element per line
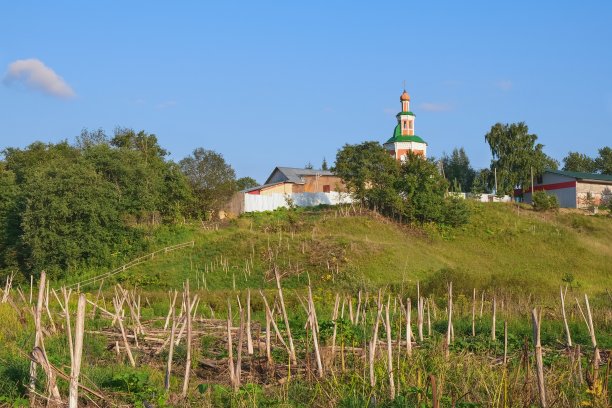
<point>579,162</point>
<point>9,218</point>
<point>309,166</point>
<point>515,153</point>
<point>422,189</point>
<point>482,182</point>
<point>70,218</point>
<point>212,180</point>
<point>368,171</point>
<point>244,183</point>
<point>457,167</point>
<point>604,161</point>
<point>324,165</point>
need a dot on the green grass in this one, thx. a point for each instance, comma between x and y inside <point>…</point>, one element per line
<point>502,247</point>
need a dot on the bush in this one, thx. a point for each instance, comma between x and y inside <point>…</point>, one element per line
<point>455,212</point>
<point>544,202</point>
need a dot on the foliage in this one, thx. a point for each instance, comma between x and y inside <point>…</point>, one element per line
<point>212,180</point>
<point>66,207</point>
<point>244,183</point>
<point>457,169</point>
<point>515,153</point>
<point>368,171</point>
<point>579,162</point>
<point>455,212</point>
<point>482,182</point>
<point>324,165</point>
<point>603,162</point>
<point>544,202</point>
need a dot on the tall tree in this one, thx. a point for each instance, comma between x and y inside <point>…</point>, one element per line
<point>324,165</point>
<point>212,180</point>
<point>580,162</point>
<point>515,154</point>
<point>457,167</point>
<point>246,182</point>
<point>367,170</point>
<point>482,182</point>
<point>604,161</point>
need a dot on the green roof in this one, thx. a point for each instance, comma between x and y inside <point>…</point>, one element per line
<point>406,113</point>
<point>582,176</point>
<point>398,137</point>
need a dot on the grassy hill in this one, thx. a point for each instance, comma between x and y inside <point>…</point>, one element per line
<point>503,246</point>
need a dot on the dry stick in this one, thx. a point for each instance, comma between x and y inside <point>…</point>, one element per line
<point>567,330</point>
<point>420,317</point>
<point>493,318</point>
<point>505,342</point>
<point>335,320</point>
<point>312,315</point>
<point>268,351</point>
<point>350,304</point>
<point>119,319</point>
<point>38,338</point>
<point>271,316</point>
<point>230,349</point>
<point>31,286</point>
<point>374,342</point>
<point>408,327</point>
<point>171,311</point>
<point>389,351</point>
<point>358,307</point>
<point>428,320</point>
<point>284,311</point>
<point>67,294</point>
<point>189,340</point>
<point>450,317</point>
<point>95,304</point>
<point>73,398</point>
<point>482,303</point>
<point>538,355</point>
<point>238,369</point>
<point>474,313</point>
<point>171,350</point>
<point>435,403</point>
<point>248,324</point>
<point>53,328</point>
<point>39,357</point>
<point>583,316</point>
<point>596,358</point>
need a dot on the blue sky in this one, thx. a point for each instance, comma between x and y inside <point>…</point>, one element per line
<point>285,83</point>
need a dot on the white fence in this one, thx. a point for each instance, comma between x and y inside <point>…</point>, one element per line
<point>269,202</point>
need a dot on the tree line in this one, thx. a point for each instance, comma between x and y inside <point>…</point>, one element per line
<point>93,202</point>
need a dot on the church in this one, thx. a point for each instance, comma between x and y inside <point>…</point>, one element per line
<point>404,140</point>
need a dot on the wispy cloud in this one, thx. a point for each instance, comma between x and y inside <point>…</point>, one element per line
<point>34,74</point>
<point>166,104</point>
<point>435,107</point>
<point>504,85</point>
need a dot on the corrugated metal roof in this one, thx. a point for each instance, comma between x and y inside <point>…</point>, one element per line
<point>294,175</point>
<point>582,176</point>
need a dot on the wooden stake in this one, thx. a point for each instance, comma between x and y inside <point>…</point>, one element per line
<point>189,341</point>
<point>374,342</point>
<point>493,318</point>
<point>567,330</point>
<point>450,315</point>
<point>171,350</point>
<point>538,354</point>
<point>312,313</point>
<point>38,336</point>
<point>73,399</point>
<point>389,351</point>
<point>408,327</point>
<point>474,313</point>
<point>248,324</point>
<point>119,319</point>
<point>505,342</point>
<point>284,311</point>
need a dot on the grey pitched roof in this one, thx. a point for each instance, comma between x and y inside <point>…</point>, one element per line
<point>294,175</point>
<point>583,176</point>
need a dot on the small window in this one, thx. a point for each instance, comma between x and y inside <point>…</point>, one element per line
<point>326,188</point>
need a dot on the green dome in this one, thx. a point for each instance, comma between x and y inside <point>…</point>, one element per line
<point>398,137</point>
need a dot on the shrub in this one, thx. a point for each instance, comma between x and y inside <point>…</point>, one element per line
<point>544,202</point>
<point>455,212</point>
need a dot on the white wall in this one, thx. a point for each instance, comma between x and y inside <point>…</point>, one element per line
<point>269,202</point>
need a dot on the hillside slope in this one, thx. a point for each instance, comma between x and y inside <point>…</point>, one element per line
<point>502,246</point>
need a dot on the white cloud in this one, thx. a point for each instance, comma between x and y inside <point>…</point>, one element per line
<point>36,75</point>
<point>435,107</point>
<point>504,85</point>
<point>166,104</point>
